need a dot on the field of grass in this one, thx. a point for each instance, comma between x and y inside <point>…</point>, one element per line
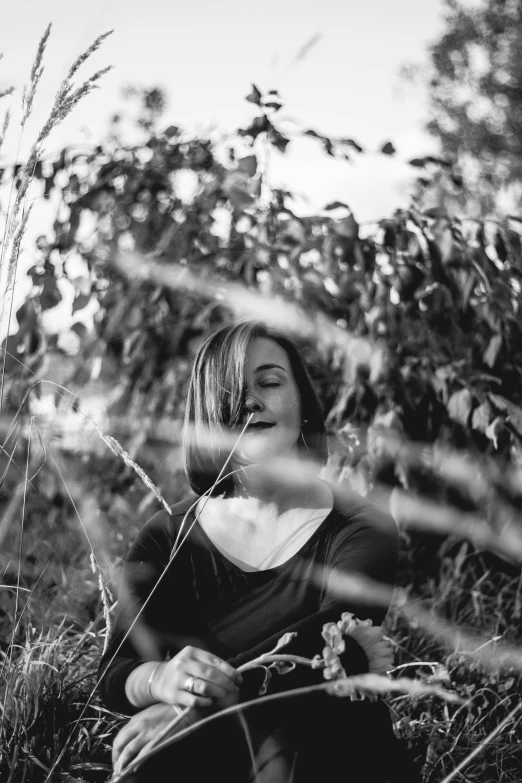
<point>451,596</point>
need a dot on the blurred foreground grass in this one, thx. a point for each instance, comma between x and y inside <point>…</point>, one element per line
<point>454,602</point>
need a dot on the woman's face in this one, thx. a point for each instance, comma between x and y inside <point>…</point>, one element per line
<point>273,395</point>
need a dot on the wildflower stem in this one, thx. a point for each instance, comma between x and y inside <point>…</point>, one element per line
<point>265,660</point>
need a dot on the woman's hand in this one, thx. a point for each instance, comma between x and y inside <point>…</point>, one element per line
<point>141,729</point>
<point>216,684</point>
<point>133,739</point>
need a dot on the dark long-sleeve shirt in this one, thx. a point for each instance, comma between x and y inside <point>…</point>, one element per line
<point>205,600</point>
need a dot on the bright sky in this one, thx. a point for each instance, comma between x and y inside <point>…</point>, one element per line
<point>206,54</point>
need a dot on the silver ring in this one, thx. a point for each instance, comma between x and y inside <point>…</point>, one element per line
<point>190,683</point>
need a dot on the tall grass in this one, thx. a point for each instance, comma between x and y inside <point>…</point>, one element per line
<point>18,209</point>
<point>47,667</point>
<point>44,691</point>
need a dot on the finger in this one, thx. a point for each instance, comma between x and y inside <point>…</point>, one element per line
<point>228,701</point>
<point>186,699</point>
<point>145,749</point>
<point>127,755</point>
<point>124,736</point>
<point>214,675</point>
<point>209,690</point>
<point>208,658</point>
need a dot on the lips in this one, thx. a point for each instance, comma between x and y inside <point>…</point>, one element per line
<point>260,425</point>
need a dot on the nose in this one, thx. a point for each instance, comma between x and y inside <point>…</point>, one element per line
<point>252,405</point>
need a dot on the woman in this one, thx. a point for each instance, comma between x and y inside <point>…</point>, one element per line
<point>263,552</point>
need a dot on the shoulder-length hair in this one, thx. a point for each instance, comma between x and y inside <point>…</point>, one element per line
<point>216,400</point>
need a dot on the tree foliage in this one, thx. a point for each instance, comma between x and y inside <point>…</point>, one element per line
<point>475,89</point>
<point>433,301</point>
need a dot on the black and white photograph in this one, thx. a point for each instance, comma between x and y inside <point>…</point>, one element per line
<point>261,391</point>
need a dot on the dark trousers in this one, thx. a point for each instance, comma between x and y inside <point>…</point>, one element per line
<point>308,739</point>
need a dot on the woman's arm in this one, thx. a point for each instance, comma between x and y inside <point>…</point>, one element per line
<point>156,616</point>
<point>140,634</point>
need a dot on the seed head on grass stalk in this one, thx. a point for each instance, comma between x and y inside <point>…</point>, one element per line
<point>106,598</point>
<point>66,98</point>
<point>36,74</point>
<point>5,123</point>
<point>117,449</point>
<point>15,249</point>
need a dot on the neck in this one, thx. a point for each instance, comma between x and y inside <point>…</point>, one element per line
<point>261,489</point>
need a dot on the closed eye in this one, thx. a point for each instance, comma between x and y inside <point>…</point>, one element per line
<point>264,385</point>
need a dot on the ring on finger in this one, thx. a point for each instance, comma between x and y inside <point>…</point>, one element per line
<point>191,683</point>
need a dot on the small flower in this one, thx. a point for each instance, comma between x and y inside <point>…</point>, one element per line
<point>347,623</point>
<point>333,637</point>
<point>333,668</point>
<point>317,662</point>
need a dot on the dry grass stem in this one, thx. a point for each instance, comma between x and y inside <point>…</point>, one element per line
<point>65,100</point>
<point>480,747</point>
<point>36,74</point>
<point>87,53</point>
<point>5,125</point>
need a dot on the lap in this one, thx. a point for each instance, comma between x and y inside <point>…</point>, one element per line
<point>306,740</point>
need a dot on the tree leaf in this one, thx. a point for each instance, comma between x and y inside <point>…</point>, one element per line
<point>248,165</point>
<point>458,180</point>
<point>492,351</point>
<point>273,105</point>
<point>328,146</point>
<point>494,430</point>
<point>514,413</point>
<point>336,205</point>
<point>459,406</point>
<point>388,149</point>
<point>445,241</point>
<point>254,96</point>
<point>80,302</point>
<point>482,417</point>
<point>346,227</point>
<point>351,143</point>
<point>278,140</point>
<point>422,162</point>
<point>434,212</point>
<point>257,126</point>
<point>79,328</point>
<point>417,162</point>
<point>235,186</point>
<point>82,283</point>
<point>50,295</point>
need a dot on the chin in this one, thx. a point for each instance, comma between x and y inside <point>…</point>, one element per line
<point>269,451</point>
